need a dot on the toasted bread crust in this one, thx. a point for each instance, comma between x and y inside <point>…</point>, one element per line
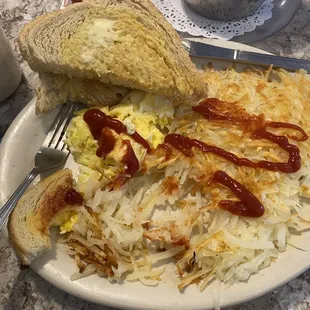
<point>148,55</point>
<point>31,219</point>
<point>56,89</point>
<point>52,202</point>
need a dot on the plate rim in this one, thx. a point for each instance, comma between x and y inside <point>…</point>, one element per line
<point>50,277</point>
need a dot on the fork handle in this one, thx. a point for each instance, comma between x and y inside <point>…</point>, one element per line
<point>9,206</point>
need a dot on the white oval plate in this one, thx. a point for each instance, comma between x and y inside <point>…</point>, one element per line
<point>17,150</point>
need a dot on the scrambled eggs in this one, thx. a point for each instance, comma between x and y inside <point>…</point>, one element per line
<point>66,221</point>
<point>145,113</point>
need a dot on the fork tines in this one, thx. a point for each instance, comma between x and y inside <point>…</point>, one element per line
<point>54,138</point>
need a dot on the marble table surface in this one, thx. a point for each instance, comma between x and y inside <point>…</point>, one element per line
<point>23,289</point>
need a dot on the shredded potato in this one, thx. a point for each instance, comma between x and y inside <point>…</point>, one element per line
<point>171,214</point>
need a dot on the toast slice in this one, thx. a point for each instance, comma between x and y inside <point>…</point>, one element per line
<point>35,213</point>
<point>126,43</point>
<point>57,89</point>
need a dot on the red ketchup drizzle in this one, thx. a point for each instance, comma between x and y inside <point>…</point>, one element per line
<point>304,136</point>
<point>73,197</point>
<point>106,142</point>
<point>210,109</point>
<point>100,126</point>
<point>98,120</point>
<point>248,205</point>
<point>294,161</point>
<point>184,145</point>
<point>167,150</point>
<point>214,109</point>
<point>132,163</point>
<point>130,160</point>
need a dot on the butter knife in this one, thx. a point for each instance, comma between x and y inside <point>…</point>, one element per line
<point>197,49</point>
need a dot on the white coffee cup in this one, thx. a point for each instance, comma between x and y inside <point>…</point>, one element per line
<point>10,71</point>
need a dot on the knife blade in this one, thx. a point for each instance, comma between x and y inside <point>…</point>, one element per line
<point>198,49</point>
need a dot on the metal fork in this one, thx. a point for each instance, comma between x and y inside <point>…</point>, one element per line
<point>52,154</point>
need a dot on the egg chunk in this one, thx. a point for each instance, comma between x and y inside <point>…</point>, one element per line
<point>140,112</point>
<point>66,221</point>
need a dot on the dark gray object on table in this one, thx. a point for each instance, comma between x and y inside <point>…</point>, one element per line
<point>226,10</point>
<point>282,14</point>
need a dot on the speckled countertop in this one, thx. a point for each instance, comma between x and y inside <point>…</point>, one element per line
<point>23,289</point>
